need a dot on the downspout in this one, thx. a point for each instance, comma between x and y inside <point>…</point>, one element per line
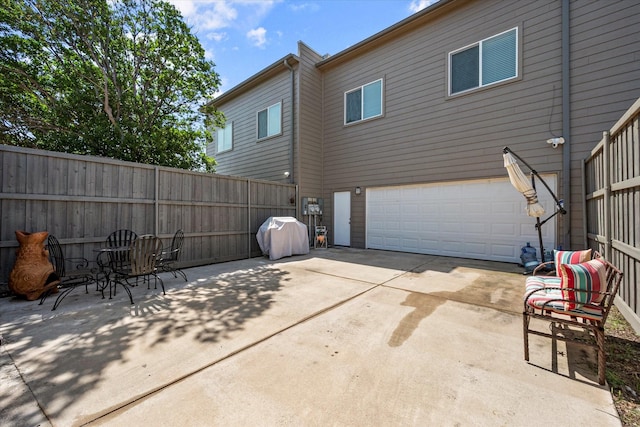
<point>292,139</point>
<point>566,125</point>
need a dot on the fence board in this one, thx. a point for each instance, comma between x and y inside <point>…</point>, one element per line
<point>82,199</point>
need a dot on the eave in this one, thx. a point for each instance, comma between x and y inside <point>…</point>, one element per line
<point>408,24</point>
<point>255,80</point>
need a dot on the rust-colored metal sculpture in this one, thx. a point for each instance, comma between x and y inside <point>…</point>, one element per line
<point>32,273</point>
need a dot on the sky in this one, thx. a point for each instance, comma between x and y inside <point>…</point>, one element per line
<point>244,36</point>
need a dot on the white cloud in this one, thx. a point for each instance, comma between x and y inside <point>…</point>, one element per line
<point>186,7</point>
<point>258,37</point>
<point>418,5</point>
<point>207,14</point>
<point>217,37</point>
<point>304,7</point>
<point>209,17</point>
<point>222,15</point>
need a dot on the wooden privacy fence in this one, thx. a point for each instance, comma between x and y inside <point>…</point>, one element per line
<point>612,205</point>
<point>82,199</point>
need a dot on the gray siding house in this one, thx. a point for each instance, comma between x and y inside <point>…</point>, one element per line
<point>402,134</point>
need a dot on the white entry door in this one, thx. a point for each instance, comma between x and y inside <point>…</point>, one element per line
<point>342,218</point>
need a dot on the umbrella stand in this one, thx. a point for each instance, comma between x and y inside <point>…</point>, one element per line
<point>559,203</point>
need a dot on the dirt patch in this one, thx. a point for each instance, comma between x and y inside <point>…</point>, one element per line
<point>623,369</point>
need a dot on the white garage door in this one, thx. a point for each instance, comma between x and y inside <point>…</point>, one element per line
<point>480,219</point>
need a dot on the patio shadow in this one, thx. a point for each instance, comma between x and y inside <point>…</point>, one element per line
<point>86,350</point>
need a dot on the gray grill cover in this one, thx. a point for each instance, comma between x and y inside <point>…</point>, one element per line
<point>283,236</point>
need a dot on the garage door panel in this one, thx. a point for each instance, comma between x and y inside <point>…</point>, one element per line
<point>428,244</point>
<point>483,219</point>
<point>505,229</point>
<point>476,248</point>
<point>410,243</point>
<point>504,251</point>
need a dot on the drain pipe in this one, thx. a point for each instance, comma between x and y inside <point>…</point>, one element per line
<point>291,151</point>
<point>566,125</point>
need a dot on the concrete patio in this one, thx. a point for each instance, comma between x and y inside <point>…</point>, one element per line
<point>336,337</point>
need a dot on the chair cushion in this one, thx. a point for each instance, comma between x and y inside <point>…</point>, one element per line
<point>541,289</point>
<point>550,298</point>
<point>570,257</point>
<point>588,276</point>
<point>538,282</point>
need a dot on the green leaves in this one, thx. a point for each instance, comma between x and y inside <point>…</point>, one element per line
<point>122,79</point>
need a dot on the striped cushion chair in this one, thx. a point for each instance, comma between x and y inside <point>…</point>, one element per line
<point>580,297</point>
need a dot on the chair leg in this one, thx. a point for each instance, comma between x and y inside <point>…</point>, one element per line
<point>168,268</point>
<point>161,283</point>
<point>45,295</point>
<point>101,287</point>
<point>525,331</point>
<point>117,282</point>
<point>62,296</point>
<point>126,288</point>
<point>602,361</point>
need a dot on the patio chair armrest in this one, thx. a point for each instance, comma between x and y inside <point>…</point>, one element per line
<point>77,263</point>
<point>168,255</point>
<point>545,266</point>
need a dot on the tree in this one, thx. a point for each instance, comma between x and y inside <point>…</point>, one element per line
<point>121,79</point>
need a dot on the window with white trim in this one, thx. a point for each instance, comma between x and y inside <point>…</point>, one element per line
<point>270,121</point>
<point>490,61</point>
<point>364,102</point>
<point>224,137</point>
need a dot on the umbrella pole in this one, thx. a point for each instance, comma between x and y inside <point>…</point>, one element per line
<point>538,224</point>
<point>539,227</point>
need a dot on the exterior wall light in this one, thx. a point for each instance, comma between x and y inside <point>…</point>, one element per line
<point>555,141</point>
<point>358,191</point>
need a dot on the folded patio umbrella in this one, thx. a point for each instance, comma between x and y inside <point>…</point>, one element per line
<point>523,184</point>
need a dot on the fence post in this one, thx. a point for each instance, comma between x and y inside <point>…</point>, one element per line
<point>248,218</point>
<point>585,215</point>
<point>606,137</point>
<point>156,203</point>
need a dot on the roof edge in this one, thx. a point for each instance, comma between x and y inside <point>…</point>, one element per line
<point>399,26</point>
<point>256,79</point>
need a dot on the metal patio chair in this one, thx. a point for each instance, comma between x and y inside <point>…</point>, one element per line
<point>578,300</point>
<point>170,257</point>
<point>119,239</point>
<point>141,262</point>
<point>78,274</point>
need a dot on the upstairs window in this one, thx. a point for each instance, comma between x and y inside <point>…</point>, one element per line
<point>487,62</point>
<point>270,121</point>
<point>224,137</point>
<point>364,102</point>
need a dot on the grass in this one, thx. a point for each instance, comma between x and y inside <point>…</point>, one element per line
<point>623,367</point>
